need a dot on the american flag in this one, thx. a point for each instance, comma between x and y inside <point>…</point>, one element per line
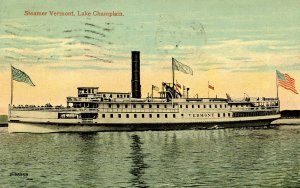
<point>285,81</point>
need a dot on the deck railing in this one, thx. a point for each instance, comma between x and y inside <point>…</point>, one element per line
<point>116,110</point>
<point>138,110</point>
<point>254,108</point>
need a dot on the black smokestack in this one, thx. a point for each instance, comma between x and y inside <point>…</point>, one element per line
<point>135,77</point>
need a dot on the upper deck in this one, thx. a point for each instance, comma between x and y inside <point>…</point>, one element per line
<point>156,105</point>
<point>89,99</point>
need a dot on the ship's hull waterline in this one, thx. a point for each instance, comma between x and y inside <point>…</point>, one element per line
<point>31,127</point>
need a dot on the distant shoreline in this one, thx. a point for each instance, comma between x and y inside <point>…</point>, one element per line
<point>288,114</point>
<point>3,121</point>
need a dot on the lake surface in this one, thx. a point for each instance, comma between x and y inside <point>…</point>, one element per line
<point>207,158</point>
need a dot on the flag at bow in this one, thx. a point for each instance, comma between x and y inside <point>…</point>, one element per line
<point>211,87</point>
<point>285,81</point>
<point>20,76</point>
<point>181,67</point>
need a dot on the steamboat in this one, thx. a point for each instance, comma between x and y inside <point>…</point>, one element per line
<point>93,110</point>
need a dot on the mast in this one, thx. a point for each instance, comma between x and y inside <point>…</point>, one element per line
<point>11,85</point>
<point>173,75</point>
<point>152,92</point>
<point>208,89</point>
<point>277,95</point>
<point>276,86</point>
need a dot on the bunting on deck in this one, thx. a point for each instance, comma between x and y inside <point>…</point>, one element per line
<point>211,87</point>
<point>155,88</point>
<point>178,85</point>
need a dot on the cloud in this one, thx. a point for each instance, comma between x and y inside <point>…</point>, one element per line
<point>239,43</point>
<point>29,38</point>
<point>240,56</point>
<point>285,47</point>
<point>180,47</point>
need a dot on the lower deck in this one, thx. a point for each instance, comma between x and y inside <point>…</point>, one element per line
<point>87,119</point>
<point>37,127</point>
<point>137,118</point>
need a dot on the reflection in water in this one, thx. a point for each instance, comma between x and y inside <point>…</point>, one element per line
<point>138,167</point>
<point>171,150</point>
<point>86,159</point>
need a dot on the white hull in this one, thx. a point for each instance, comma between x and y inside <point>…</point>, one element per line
<point>51,127</point>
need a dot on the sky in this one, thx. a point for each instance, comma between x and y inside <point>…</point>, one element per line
<point>236,45</point>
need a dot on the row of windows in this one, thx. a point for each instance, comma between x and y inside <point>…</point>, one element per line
<point>204,106</point>
<point>140,115</point>
<point>239,105</point>
<point>142,106</point>
<point>87,91</point>
<point>166,106</point>
<point>249,114</point>
<point>123,96</point>
<point>181,106</point>
<point>163,115</point>
<point>118,95</point>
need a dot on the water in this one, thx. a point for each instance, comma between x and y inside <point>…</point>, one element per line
<point>208,158</point>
